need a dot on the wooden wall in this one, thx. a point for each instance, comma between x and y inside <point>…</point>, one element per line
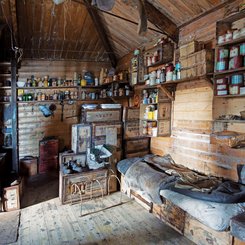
<point>193,112</point>
<point>33,126</point>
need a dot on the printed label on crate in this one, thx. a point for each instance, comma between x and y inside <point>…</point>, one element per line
<point>103,116</point>
<point>163,127</point>
<point>100,130</point>
<point>111,136</point>
<point>132,129</point>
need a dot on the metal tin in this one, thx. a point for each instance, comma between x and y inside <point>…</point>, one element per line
<point>234,89</point>
<point>222,92</point>
<point>223,53</point>
<point>223,80</point>
<point>222,65</point>
<point>234,51</point>
<point>242,49</point>
<point>235,62</point>
<point>237,79</point>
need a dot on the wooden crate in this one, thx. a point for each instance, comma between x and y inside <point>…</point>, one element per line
<point>164,110</point>
<point>101,129</point>
<point>136,145</point>
<point>11,197</point>
<point>29,166</point>
<point>131,114</point>
<point>102,140</point>
<point>68,156</point>
<point>101,115</point>
<point>131,129</point>
<point>83,181</point>
<point>81,138</point>
<point>164,127</point>
<point>137,154</point>
<point>190,48</point>
<point>48,155</point>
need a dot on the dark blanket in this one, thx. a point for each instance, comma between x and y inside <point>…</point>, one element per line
<point>153,173</point>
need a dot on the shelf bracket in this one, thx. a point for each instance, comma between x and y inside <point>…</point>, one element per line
<point>165,91</point>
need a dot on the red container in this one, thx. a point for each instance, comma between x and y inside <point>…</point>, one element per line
<point>235,62</point>
<point>234,51</point>
<point>48,155</point>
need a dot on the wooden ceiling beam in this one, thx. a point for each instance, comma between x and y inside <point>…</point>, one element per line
<point>161,21</point>
<point>101,31</point>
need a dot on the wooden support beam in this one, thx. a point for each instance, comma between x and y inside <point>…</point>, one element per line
<point>2,26</point>
<point>165,91</point>
<point>161,21</point>
<point>101,31</point>
<point>14,21</point>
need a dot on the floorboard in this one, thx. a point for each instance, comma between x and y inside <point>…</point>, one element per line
<point>50,223</point>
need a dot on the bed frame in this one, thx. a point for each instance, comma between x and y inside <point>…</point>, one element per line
<point>182,221</point>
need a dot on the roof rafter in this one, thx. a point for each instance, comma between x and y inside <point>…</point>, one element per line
<point>101,31</point>
<point>14,21</point>
<point>161,21</point>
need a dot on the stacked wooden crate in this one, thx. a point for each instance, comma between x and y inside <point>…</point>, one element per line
<point>106,126</point>
<point>195,60</point>
<point>135,145</point>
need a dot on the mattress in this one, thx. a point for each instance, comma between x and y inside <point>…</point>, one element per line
<point>214,215</point>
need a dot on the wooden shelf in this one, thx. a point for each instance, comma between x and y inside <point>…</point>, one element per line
<point>149,120</point>
<point>235,41</point>
<point>5,64</point>
<point>92,87</point>
<point>114,82</point>
<point>57,87</point>
<point>120,97</point>
<point>5,87</point>
<point>227,72</point>
<point>230,96</point>
<point>5,102</point>
<point>230,121</point>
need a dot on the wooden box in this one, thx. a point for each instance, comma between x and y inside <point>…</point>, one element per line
<point>189,48</point>
<point>131,129</point>
<point>101,129</point>
<point>101,115</point>
<point>28,166</point>
<point>117,141</point>
<point>164,127</point>
<point>131,113</point>
<point>11,198</point>
<point>66,157</point>
<point>48,155</point>
<point>136,145</point>
<point>84,181</point>
<point>164,110</point>
<point>137,154</point>
<point>81,138</point>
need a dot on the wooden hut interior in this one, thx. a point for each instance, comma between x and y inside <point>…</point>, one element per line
<point>122,122</point>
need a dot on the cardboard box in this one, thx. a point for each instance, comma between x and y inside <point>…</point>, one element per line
<point>131,113</point>
<point>164,127</point>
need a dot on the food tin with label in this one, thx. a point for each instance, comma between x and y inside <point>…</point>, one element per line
<point>222,87</point>
<point>234,51</point>
<point>222,92</point>
<point>237,79</point>
<point>242,49</point>
<point>234,89</point>
<point>223,80</point>
<point>223,53</point>
<point>222,65</point>
<point>235,62</point>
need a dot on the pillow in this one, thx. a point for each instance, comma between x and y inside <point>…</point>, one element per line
<point>241,173</point>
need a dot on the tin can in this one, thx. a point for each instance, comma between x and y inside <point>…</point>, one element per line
<point>223,53</point>
<point>234,89</point>
<point>236,62</point>
<point>237,79</point>
<point>242,49</point>
<point>222,65</point>
<point>234,51</point>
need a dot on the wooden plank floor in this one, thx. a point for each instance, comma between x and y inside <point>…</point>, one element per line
<point>51,223</point>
